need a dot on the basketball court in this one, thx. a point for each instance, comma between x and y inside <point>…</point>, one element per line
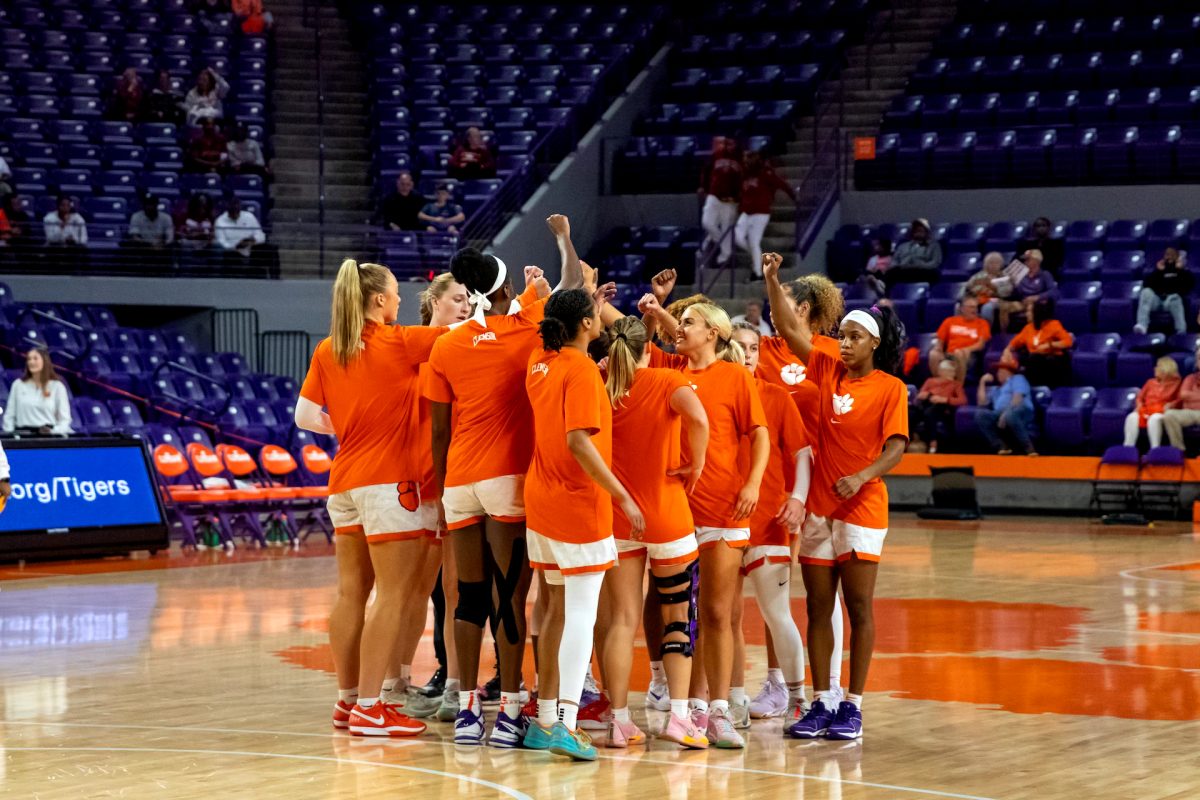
<point>1015,658</point>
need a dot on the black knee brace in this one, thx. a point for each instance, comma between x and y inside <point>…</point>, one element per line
<point>474,602</point>
<point>672,590</point>
<point>506,587</point>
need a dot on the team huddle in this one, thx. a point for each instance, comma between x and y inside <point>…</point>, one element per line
<point>547,434</point>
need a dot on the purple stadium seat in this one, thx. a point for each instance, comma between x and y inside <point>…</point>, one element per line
<point>1077,304</point>
<point>1065,423</point>
<point>1126,234</point>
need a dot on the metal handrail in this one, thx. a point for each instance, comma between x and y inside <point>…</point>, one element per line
<point>704,264</point>
<point>71,326</point>
<point>185,404</point>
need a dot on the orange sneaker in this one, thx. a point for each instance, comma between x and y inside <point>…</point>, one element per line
<point>383,719</point>
<point>596,715</point>
<point>341,715</point>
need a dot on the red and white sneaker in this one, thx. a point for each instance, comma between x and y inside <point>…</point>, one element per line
<point>341,715</point>
<point>383,719</point>
<point>596,715</point>
<point>530,708</point>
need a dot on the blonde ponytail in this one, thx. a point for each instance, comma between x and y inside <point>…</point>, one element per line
<point>626,346</point>
<point>355,285</point>
<point>715,318</point>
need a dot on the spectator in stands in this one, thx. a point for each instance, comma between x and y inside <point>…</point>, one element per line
<point>164,103</point>
<point>442,215</point>
<point>1187,412</point>
<point>38,401</point>
<point>204,100</point>
<point>150,228</point>
<point>5,179</point>
<point>1053,251</point>
<point>1163,289</point>
<point>1047,346</point>
<point>128,97</point>
<point>759,185</point>
<point>916,260</point>
<point>877,266</point>
<point>20,224</point>
<point>251,16</point>
<point>195,230</point>
<point>206,148</point>
<point>1157,395</point>
<point>64,225</point>
<point>720,188</point>
<point>210,14</point>
<point>1010,410</point>
<point>960,339</point>
<point>238,233</point>
<point>243,155</point>
<point>402,209</point>
<point>935,405</point>
<point>990,286</point>
<point>754,317</point>
<point>472,159</point>
<point>1038,286</point>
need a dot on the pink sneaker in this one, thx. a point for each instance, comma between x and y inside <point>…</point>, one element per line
<point>684,732</point>
<point>623,734</point>
<point>698,718</point>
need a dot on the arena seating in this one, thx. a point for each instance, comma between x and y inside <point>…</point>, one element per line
<point>744,71</point>
<point>1048,94</point>
<point>632,256</point>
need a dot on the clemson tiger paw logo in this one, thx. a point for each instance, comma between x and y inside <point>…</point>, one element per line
<point>793,374</point>
<point>842,403</point>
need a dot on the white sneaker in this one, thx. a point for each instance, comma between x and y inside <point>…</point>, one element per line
<point>448,709</point>
<point>771,700</point>
<point>398,696</point>
<point>658,695</point>
<point>739,714</point>
<point>795,712</point>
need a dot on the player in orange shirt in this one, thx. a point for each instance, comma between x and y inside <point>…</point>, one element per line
<point>863,432</point>
<point>648,407</point>
<point>569,495</point>
<point>477,373</point>
<point>366,375</point>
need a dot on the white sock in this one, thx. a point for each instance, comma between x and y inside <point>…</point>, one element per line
<point>719,707</point>
<point>737,695</point>
<point>796,693</point>
<point>348,696</point>
<point>452,684</point>
<point>622,714</point>
<point>465,700</point>
<point>568,714</point>
<point>698,704</point>
<point>510,704</point>
<point>839,624</point>
<point>679,708</point>
<point>367,702</point>
<point>775,675</point>
<point>828,698</point>
<point>547,712</point>
<point>856,699</point>
<point>389,684</point>
<point>656,671</point>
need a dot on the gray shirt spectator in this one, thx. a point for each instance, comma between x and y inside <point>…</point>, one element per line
<point>151,227</point>
<point>920,251</point>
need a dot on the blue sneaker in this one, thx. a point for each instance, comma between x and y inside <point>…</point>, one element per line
<point>847,725</point>
<point>577,745</point>
<point>468,728</point>
<point>508,733</point>
<point>813,724</point>
<point>537,737</point>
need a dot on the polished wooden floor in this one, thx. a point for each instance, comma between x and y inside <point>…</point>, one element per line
<point>1016,658</point>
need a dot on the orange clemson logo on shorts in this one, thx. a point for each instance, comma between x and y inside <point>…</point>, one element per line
<point>408,495</point>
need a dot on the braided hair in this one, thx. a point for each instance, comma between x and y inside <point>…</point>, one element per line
<point>565,312</point>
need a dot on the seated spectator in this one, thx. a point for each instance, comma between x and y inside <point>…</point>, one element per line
<point>402,209</point>
<point>877,266</point>
<point>916,260</point>
<point>195,230</point>
<point>19,235</point>
<point>204,99</point>
<point>210,13</point>
<point>164,103</point>
<point>442,215</point>
<point>128,97</point>
<point>720,188</point>
<point>1038,286</point>
<point>1047,346</point>
<point>150,227</point>
<point>241,238</point>
<point>1163,289</point>
<point>1157,395</point>
<point>1187,412</point>
<point>206,148</point>
<point>960,339</point>
<point>38,402</point>
<point>1053,251</point>
<point>472,159</point>
<point>759,186</point>
<point>64,226</point>
<point>250,16</point>
<point>990,286</point>
<point>935,405</point>
<point>5,179</point>
<point>1009,413</point>
<point>243,155</point>
<point>754,318</point>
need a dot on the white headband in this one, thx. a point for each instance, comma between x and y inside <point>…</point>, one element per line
<point>480,299</point>
<point>864,319</point>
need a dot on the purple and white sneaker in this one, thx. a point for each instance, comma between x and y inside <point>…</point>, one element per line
<point>468,728</point>
<point>847,724</point>
<point>509,733</point>
<point>814,724</point>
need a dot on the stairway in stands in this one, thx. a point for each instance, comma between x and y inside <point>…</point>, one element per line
<point>347,160</point>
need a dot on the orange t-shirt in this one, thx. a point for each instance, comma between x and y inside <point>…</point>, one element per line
<point>778,365</point>
<point>787,438</point>
<point>730,399</point>
<point>1033,339</point>
<point>562,502</point>
<point>481,370</point>
<point>646,445</point>
<point>372,403</point>
<point>858,415</point>
<point>957,333</point>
